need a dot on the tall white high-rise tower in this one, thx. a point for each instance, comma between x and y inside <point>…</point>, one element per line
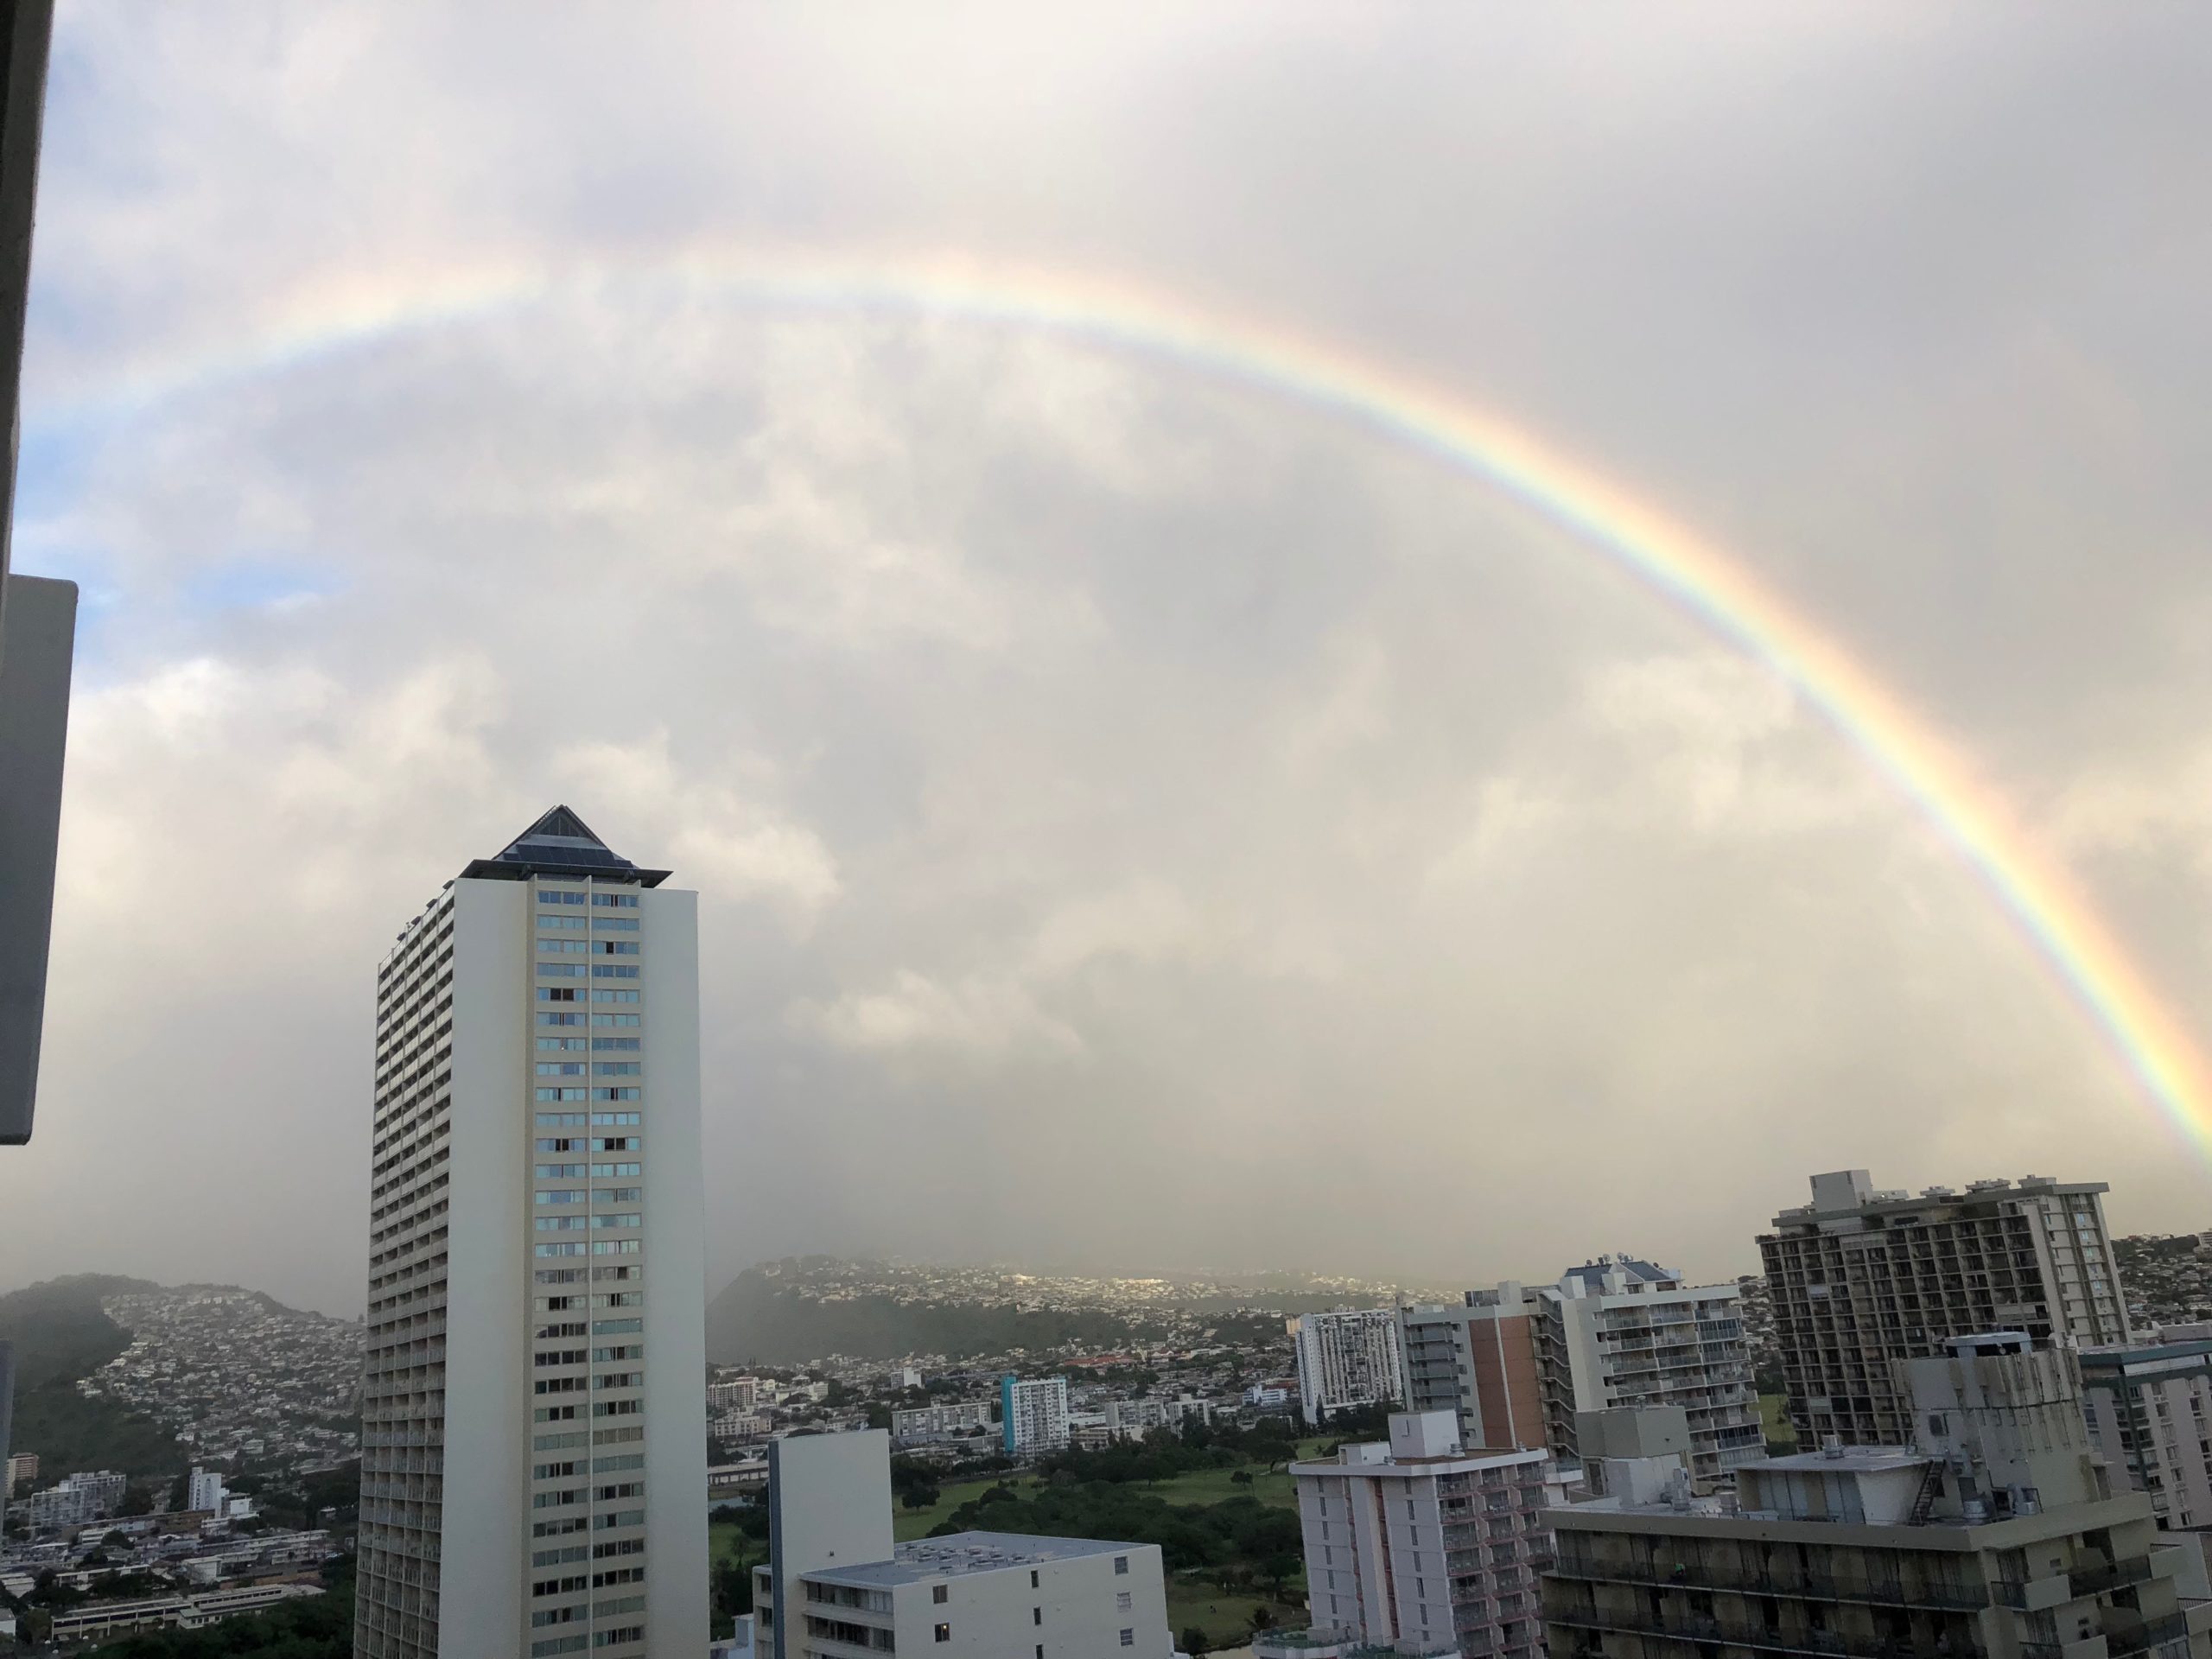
<point>533,1470</point>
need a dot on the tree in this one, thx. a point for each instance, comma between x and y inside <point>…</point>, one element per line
<point>1196,1642</point>
<point>1263,1619</point>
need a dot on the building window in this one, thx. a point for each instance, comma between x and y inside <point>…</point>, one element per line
<point>944,1632</point>
<point>1129,1638</point>
<point>1032,1578</point>
<point>940,1594</point>
<point>1036,1615</point>
<point>1121,1566</point>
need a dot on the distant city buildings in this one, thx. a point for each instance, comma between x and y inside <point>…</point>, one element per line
<point>206,1491</point>
<point>1997,1534</point>
<point>1424,1545</point>
<point>919,1425</point>
<point>732,1394</point>
<point>1862,1276</point>
<point>23,1466</point>
<point>1347,1359</point>
<point>75,1500</point>
<point>1519,1367</point>
<point>1033,1414</point>
<point>834,1582</point>
<point>2150,1414</point>
<point>532,1424</point>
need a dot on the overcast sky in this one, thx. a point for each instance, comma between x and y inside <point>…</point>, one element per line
<point>1141,822</point>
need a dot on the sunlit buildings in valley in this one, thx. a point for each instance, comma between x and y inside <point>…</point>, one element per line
<point>532,1480</point>
<point>1519,1366</point>
<point>1998,1533</point>
<point>1347,1359</point>
<point>2149,1412</point>
<point>1862,1276</point>
<point>1033,1414</point>
<point>835,1583</point>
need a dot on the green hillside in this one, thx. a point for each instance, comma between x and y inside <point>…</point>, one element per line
<point>60,1335</point>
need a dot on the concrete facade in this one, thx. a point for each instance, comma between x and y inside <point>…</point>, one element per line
<point>1862,1277</point>
<point>1420,1544</point>
<point>532,1421</point>
<point>2150,1414</point>
<point>1619,1333</point>
<point>917,1425</point>
<point>1996,1537</point>
<point>1478,1360</point>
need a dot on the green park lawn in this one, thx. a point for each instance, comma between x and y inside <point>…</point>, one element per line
<point>1225,1616</point>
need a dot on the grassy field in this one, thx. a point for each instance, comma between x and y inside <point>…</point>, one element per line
<point>1774,1415</point>
<point>1199,1488</point>
<point>1225,1618</point>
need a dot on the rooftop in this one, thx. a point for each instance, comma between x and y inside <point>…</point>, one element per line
<point>1860,1459</point>
<point>560,844</point>
<point>969,1552</point>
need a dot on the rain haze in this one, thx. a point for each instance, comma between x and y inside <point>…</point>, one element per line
<point>1146,815</point>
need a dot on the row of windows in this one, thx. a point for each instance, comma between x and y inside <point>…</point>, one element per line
<point>568,994</point>
<point>602,1246</point>
<point>577,1143</point>
<point>599,1120</point>
<point>579,1172</point>
<point>598,1019</point>
<point>586,948</point>
<point>595,1068</point>
<point>599,900</point>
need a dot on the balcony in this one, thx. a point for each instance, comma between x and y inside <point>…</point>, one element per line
<point>1826,1644</point>
<point>2110,1575</point>
<point>1878,1590</point>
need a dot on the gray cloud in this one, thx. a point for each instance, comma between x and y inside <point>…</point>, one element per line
<point>1139,821</point>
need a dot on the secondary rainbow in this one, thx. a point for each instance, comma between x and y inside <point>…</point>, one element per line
<point>2058,923</point>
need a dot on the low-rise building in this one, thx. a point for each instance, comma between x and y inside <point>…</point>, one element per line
<point>1424,1545</point>
<point>836,1583</point>
<point>919,1425</point>
<point>1997,1535</point>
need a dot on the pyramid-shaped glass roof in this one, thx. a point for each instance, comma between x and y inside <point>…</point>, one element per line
<point>560,844</point>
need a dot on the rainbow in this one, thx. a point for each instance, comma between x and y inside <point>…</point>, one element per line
<point>2065,932</point>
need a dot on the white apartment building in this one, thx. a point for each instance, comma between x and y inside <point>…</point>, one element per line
<point>206,1491</point>
<point>1132,1419</point>
<point>2149,1407</point>
<point>1865,1275</point>
<point>835,1586</point>
<point>1619,1333</point>
<point>78,1499</point>
<point>1347,1359</point>
<point>23,1466</point>
<point>919,1425</point>
<point>1033,1414</point>
<point>532,1481</point>
<point>1422,1546</point>
<point>732,1394</point>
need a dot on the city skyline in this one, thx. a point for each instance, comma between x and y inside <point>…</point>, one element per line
<point>1115,781</point>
